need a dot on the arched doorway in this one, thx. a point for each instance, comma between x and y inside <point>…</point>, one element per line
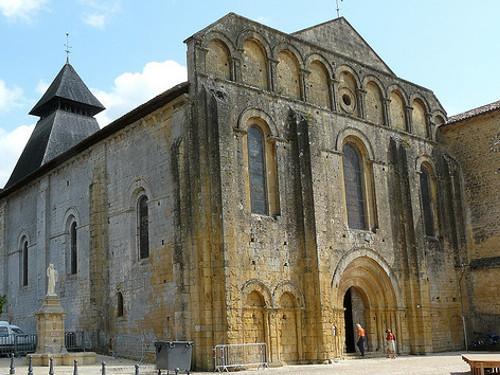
<point>354,312</point>
<point>364,291</point>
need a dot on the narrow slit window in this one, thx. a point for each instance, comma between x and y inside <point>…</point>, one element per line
<point>25,263</point>
<point>119,307</point>
<point>143,227</point>
<point>74,249</point>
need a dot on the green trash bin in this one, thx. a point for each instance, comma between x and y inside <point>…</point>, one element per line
<point>174,356</point>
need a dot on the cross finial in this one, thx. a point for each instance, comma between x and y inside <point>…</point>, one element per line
<point>68,48</point>
<point>338,8</point>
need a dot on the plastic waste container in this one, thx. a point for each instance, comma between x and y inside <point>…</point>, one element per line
<point>174,356</point>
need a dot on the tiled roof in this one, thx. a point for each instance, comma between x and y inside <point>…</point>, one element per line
<point>474,112</point>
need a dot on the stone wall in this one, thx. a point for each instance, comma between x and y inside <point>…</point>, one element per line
<point>474,144</point>
<point>98,189</point>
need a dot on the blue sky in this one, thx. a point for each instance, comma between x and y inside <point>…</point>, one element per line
<point>128,51</point>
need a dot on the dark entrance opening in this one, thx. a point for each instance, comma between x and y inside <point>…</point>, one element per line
<point>349,324</point>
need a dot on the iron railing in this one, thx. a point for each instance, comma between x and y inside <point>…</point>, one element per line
<point>17,344</point>
<point>240,356</point>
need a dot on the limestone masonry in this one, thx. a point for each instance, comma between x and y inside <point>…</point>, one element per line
<point>293,187</point>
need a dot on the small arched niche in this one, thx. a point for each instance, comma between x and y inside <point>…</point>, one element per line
<point>397,110</point>
<point>218,60</point>
<point>419,120</point>
<point>254,67</point>
<point>374,104</point>
<point>348,91</point>
<point>318,90</point>
<point>288,75</point>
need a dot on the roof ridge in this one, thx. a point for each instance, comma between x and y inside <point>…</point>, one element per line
<point>490,107</point>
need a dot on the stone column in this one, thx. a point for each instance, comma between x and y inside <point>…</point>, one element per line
<point>429,126</point>
<point>333,92</point>
<point>303,83</point>
<point>387,111</point>
<point>236,69</point>
<point>272,75</point>
<point>361,96</point>
<point>409,118</point>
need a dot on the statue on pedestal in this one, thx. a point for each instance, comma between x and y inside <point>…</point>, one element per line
<point>51,280</point>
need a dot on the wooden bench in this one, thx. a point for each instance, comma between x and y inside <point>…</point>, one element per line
<point>480,362</point>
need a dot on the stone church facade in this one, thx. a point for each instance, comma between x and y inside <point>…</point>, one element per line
<point>292,187</point>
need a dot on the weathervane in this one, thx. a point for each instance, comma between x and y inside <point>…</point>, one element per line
<point>68,47</point>
<point>338,8</point>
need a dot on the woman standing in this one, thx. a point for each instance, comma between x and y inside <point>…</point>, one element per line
<point>390,338</point>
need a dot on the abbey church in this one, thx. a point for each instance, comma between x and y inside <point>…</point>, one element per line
<point>292,187</point>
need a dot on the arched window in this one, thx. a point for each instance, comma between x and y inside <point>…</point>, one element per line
<point>24,263</point>
<point>257,170</point>
<point>427,200</point>
<point>143,227</point>
<point>354,189</point>
<point>73,248</point>
<point>119,304</point>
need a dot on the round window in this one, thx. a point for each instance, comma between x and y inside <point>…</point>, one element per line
<point>347,100</point>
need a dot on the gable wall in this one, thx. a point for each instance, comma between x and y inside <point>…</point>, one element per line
<point>302,247</point>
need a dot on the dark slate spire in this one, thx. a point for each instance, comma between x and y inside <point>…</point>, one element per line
<point>67,88</point>
<point>66,111</point>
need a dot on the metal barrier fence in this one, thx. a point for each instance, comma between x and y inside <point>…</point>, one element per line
<point>80,341</point>
<point>18,344</point>
<point>227,356</point>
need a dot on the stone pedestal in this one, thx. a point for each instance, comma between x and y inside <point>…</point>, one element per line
<point>50,327</point>
<point>50,341</point>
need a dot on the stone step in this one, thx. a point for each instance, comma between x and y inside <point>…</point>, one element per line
<point>367,355</point>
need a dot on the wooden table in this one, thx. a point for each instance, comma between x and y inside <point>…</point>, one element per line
<point>479,362</point>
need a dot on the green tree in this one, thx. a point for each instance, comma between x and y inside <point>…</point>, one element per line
<point>3,302</point>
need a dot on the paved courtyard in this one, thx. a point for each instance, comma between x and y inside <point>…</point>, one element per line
<point>436,364</point>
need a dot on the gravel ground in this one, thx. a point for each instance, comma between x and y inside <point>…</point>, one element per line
<point>435,364</point>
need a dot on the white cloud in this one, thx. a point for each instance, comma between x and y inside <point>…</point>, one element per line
<point>42,87</point>
<point>95,20</point>
<point>12,144</point>
<point>98,13</point>
<point>132,89</point>
<point>23,9</point>
<point>9,96</point>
